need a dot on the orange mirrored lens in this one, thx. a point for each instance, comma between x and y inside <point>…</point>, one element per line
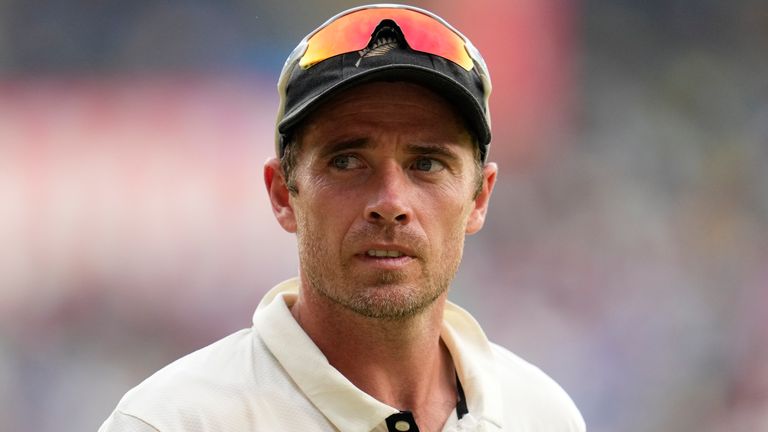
<point>352,32</point>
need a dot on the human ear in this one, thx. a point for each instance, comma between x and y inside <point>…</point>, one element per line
<point>279,195</point>
<point>477,215</point>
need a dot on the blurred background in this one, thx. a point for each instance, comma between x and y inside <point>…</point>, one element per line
<point>626,250</point>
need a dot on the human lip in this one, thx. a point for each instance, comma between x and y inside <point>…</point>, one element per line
<point>385,256</point>
<point>381,253</point>
<point>386,251</point>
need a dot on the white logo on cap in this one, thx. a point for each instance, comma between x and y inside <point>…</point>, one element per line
<point>380,47</point>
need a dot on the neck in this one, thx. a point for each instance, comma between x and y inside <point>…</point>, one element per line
<point>401,362</point>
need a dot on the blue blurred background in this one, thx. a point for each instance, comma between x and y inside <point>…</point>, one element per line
<point>626,250</point>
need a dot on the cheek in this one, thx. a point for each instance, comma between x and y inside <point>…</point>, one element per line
<point>445,227</point>
<point>446,207</point>
<point>324,219</point>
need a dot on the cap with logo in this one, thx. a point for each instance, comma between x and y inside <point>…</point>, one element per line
<point>390,43</point>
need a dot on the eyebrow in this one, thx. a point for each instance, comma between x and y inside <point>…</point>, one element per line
<point>346,145</point>
<point>416,149</point>
<point>433,149</point>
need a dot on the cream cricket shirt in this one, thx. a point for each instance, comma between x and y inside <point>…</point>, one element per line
<point>272,377</point>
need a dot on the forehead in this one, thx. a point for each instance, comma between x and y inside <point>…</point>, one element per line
<point>386,108</point>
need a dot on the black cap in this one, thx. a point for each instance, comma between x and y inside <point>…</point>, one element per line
<point>386,58</point>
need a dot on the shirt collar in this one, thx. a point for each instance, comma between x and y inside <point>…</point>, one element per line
<point>346,406</point>
<point>474,363</point>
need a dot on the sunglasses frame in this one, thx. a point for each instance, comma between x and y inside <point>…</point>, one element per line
<point>474,53</point>
<point>480,68</point>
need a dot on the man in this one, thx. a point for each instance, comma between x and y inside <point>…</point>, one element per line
<point>382,140</point>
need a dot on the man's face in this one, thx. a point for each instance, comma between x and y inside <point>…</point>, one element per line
<point>386,182</point>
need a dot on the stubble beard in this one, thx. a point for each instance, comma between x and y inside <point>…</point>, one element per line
<point>384,295</point>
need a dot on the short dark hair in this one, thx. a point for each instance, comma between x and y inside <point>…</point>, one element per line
<point>289,160</point>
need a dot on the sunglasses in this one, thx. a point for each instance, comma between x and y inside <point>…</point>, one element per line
<point>422,30</point>
<point>351,31</point>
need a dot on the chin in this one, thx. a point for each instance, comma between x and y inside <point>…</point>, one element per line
<point>392,300</point>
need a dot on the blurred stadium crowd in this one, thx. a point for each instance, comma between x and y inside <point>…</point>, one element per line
<point>626,250</point>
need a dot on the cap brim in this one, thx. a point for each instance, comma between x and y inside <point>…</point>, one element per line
<point>466,103</point>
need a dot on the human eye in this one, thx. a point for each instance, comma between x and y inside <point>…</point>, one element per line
<point>427,165</point>
<point>345,162</point>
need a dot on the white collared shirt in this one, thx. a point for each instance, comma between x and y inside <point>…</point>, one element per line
<point>272,377</point>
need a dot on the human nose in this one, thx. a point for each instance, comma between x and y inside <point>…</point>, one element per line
<point>388,202</point>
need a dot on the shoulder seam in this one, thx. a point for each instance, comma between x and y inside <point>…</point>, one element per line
<point>137,418</point>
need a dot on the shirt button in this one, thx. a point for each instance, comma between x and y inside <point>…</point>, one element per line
<point>402,425</point>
